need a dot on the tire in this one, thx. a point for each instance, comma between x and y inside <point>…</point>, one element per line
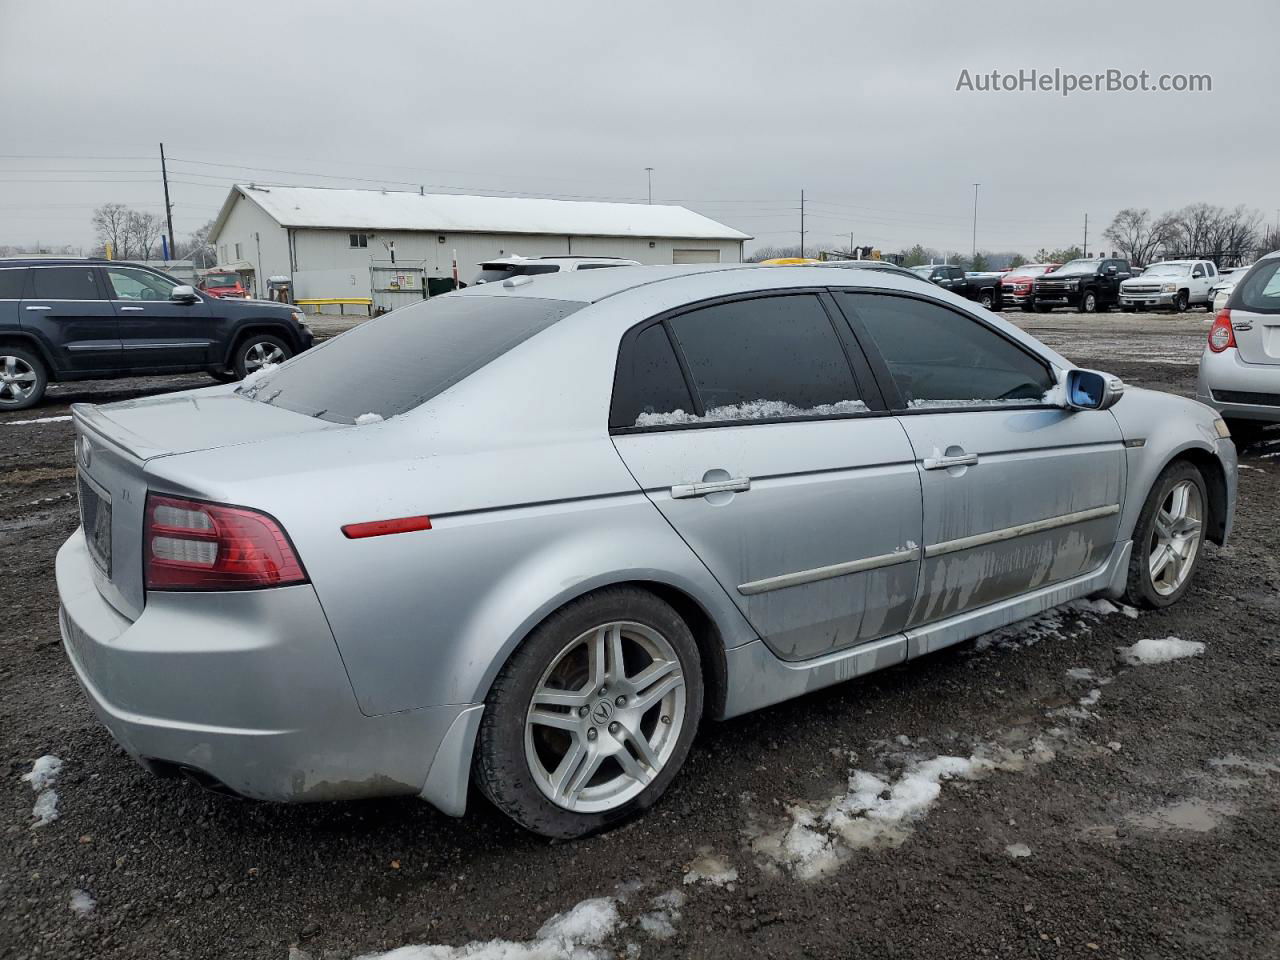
<point>1043,308</point>
<point>23,378</point>
<point>986,300</point>
<point>1027,309</point>
<point>1180,302</point>
<point>1127,309</point>
<point>1245,432</point>
<point>1208,305</point>
<point>1149,538</point>
<point>1088,302</point>
<point>518,762</point>
<point>257,350</point>
<point>223,376</point>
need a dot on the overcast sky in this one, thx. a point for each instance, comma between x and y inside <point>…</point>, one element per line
<point>736,105</point>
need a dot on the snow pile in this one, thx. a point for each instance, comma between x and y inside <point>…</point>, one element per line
<point>368,418</point>
<point>566,936</point>
<point>81,903</point>
<point>1161,651</point>
<point>752,410</point>
<point>878,811</point>
<point>256,375</point>
<point>43,775</point>
<point>660,924</point>
<point>709,868</point>
<point>954,404</point>
<point>1018,850</point>
<point>20,423</point>
<point>1068,620</point>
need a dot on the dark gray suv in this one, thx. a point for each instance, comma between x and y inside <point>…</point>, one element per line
<point>78,319</point>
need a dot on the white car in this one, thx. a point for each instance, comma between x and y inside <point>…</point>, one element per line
<point>1171,283</point>
<point>503,268</point>
<point>1221,289</point>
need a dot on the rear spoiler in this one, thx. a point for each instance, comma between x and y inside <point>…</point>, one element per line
<point>89,419</point>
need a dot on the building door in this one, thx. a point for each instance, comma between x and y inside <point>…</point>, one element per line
<point>695,256</point>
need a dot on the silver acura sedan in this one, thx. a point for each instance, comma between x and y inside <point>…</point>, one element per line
<point>531,534</point>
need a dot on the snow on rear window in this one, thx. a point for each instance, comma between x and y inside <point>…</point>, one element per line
<point>753,410</point>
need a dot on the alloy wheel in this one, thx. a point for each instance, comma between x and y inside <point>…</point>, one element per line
<point>261,354</point>
<point>605,717</point>
<point>18,380</point>
<point>1175,537</point>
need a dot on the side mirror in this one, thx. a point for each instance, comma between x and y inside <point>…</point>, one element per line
<point>183,293</point>
<point>1091,390</point>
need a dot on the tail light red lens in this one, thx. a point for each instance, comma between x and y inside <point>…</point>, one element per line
<point>1221,336</point>
<point>192,545</point>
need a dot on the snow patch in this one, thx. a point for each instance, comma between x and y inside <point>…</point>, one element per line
<point>1067,620</point>
<point>752,410</point>
<point>254,376</point>
<point>43,775</point>
<point>368,418</point>
<point>880,811</point>
<point>1161,651</point>
<point>21,423</point>
<point>81,903</point>
<point>1018,850</point>
<point>709,868</point>
<point>566,936</point>
<point>1092,697</point>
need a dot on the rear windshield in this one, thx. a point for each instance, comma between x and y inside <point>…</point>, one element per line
<point>390,365</point>
<point>493,272</point>
<point>1259,291</point>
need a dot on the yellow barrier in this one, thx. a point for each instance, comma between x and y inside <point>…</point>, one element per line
<point>365,302</point>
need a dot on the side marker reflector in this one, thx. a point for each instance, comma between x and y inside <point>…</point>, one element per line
<point>382,528</point>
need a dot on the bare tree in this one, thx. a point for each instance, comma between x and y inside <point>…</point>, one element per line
<point>143,230</point>
<point>1136,236</point>
<point>197,246</point>
<point>111,225</point>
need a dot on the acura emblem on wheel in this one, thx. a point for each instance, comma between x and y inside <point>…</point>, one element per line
<point>603,712</point>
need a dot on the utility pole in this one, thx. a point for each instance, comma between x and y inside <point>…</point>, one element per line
<point>974,254</point>
<point>649,171</point>
<point>168,207</point>
<point>802,224</point>
<point>850,243</point>
<point>1085,251</point>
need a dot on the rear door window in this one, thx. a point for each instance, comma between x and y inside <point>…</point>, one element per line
<point>1259,291</point>
<point>65,283</point>
<point>649,389</point>
<point>11,282</point>
<point>765,358</point>
<point>941,359</point>
<point>398,361</point>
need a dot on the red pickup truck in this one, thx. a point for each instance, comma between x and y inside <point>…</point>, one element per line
<point>1015,286</point>
<point>223,285</point>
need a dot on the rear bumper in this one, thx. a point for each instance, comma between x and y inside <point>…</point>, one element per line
<point>247,691</point>
<point>1226,374</point>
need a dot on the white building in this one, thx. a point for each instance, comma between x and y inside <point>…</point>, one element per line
<point>336,244</point>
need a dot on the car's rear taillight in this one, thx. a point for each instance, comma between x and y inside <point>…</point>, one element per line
<point>1221,336</point>
<point>191,545</point>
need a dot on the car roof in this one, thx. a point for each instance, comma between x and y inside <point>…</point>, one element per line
<point>66,261</point>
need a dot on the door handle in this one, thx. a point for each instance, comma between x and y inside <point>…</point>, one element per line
<point>39,308</point>
<point>945,463</point>
<point>131,310</point>
<point>687,491</point>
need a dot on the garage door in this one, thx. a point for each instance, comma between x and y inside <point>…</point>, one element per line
<point>695,256</point>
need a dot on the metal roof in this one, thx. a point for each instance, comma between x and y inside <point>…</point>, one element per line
<point>323,208</point>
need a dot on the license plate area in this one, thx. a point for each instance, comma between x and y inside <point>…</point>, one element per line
<point>95,517</point>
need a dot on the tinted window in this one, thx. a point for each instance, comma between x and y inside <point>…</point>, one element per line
<point>599,266</point>
<point>648,387</point>
<point>64,283</point>
<point>939,357</point>
<point>767,357</point>
<point>1259,291</point>
<point>398,361</point>
<point>11,284</point>
<point>494,272</point>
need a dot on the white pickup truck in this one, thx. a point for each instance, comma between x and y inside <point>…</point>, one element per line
<point>1171,283</point>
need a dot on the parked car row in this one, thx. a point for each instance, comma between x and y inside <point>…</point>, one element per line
<point>983,288</point>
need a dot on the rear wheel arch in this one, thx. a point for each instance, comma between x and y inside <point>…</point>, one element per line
<point>26,341</point>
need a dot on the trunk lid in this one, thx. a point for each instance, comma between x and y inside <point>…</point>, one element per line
<point>115,444</point>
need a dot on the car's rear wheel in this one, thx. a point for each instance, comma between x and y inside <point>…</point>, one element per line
<point>592,717</point>
<point>1088,302</point>
<point>23,378</point>
<point>259,350</point>
<point>1169,538</point>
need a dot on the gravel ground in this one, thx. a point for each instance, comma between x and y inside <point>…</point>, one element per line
<point>1119,810</point>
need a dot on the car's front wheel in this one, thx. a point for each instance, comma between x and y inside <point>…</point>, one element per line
<point>592,717</point>
<point>1180,302</point>
<point>1169,538</point>
<point>259,350</point>
<point>986,299</point>
<point>23,378</point>
<point>1088,302</point>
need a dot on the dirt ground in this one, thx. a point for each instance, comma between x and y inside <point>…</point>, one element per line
<point>1116,811</point>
